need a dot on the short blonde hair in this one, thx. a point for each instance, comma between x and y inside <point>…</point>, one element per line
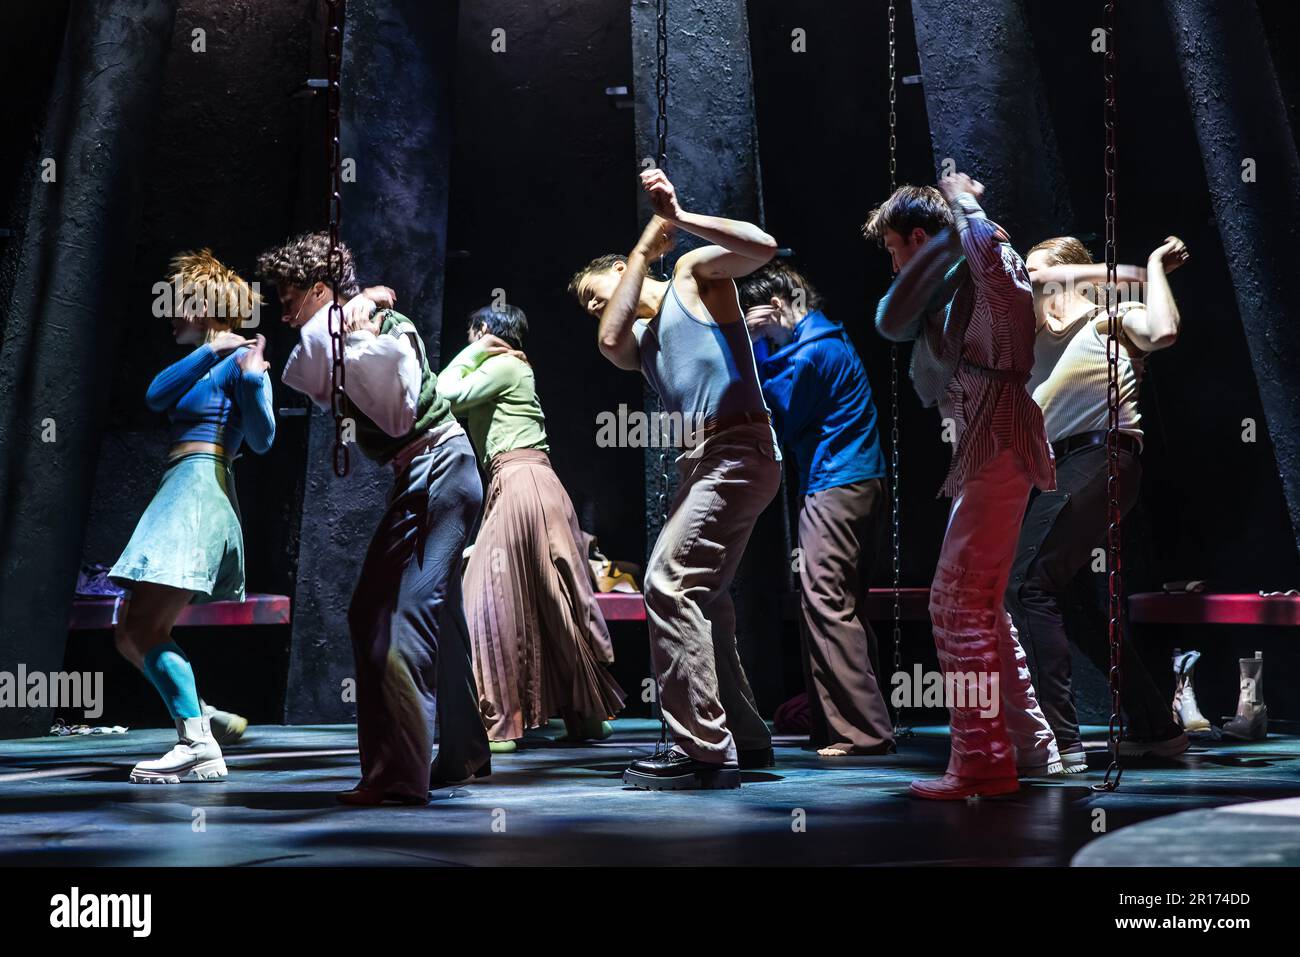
<point>199,275</point>
<point>1063,251</point>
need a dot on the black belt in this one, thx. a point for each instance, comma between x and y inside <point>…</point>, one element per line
<point>1083,440</point>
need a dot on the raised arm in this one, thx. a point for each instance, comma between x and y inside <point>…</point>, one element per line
<point>475,376</point>
<point>1067,275</point>
<point>738,247</point>
<point>1155,326</point>
<point>615,336</point>
<point>901,309</point>
<point>982,241</point>
<point>382,373</point>
<point>178,378</point>
<point>252,389</point>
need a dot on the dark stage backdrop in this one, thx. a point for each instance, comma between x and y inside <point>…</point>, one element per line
<point>1212,506</point>
<point>221,168</point>
<point>541,180</point>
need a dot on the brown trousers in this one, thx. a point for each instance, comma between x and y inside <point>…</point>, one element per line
<point>539,638</point>
<point>839,531</point>
<point>703,692</point>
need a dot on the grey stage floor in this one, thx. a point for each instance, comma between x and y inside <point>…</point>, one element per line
<point>65,801</point>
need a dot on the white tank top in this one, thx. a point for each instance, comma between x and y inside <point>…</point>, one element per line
<point>1069,379</point>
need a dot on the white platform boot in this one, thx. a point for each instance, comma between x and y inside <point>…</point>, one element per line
<point>196,757</point>
<point>1186,711</point>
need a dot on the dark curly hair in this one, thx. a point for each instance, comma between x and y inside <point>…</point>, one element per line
<point>304,261</point>
<point>780,280</point>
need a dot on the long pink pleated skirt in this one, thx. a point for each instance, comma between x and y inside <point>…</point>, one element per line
<point>540,642</point>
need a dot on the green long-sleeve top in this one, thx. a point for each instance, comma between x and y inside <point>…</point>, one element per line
<point>498,397</point>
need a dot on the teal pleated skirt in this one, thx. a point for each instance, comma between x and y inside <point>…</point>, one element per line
<point>189,536</point>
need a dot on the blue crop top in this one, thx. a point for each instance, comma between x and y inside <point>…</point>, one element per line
<point>211,399</point>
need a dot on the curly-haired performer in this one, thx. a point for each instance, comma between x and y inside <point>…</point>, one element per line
<point>540,641</point>
<point>406,620</point>
<point>188,545</point>
<point>964,295</point>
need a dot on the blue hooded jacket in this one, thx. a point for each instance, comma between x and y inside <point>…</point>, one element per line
<point>821,406</point>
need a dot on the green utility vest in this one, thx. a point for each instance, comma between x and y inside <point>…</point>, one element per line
<point>431,410</point>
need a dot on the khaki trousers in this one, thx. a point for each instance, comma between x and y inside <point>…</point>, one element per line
<point>726,482</point>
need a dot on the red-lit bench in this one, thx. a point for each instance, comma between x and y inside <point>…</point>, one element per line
<point>90,614</point>
<point>914,603</point>
<point>1193,608</point>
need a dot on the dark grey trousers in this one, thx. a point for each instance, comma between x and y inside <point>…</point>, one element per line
<point>409,635</point>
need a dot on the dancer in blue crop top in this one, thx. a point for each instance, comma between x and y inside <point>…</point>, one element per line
<point>188,545</point>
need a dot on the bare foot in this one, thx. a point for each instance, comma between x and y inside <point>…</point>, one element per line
<point>832,752</point>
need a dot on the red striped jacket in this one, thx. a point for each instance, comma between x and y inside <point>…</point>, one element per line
<point>986,332</point>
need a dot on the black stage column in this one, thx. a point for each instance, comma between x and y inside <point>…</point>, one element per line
<point>1253,174</point>
<point>396,114</point>
<point>987,113</point>
<point>62,289</point>
<point>713,162</point>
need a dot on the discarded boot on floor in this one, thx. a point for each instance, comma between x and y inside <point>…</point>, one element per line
<point>1186,711</point>
<point>1251,721</point>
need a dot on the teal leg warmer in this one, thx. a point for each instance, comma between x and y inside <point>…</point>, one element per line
<point>170,672</point>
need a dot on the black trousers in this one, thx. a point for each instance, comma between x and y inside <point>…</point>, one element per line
<point>1060,531</point>
<point>409,635</point>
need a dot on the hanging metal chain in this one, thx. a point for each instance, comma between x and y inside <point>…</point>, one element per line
<point>334,212</point>
<point>661,161</point>
<point>900,729</point>
<point>893,99</point>
<point>1115,731</point>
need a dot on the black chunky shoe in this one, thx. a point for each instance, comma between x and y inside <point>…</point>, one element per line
<point>674,770</point>
<point>753,759</point>
<point>436,780</point>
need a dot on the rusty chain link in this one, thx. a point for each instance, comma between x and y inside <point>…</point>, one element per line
<point>1115,617</point>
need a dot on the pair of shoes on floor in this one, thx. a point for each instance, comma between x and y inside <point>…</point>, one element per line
<point>675,770</point>
<point>196,757</point>
<point>438,780</point>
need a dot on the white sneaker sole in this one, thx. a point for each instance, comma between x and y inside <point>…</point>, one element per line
<point>203,771</point>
